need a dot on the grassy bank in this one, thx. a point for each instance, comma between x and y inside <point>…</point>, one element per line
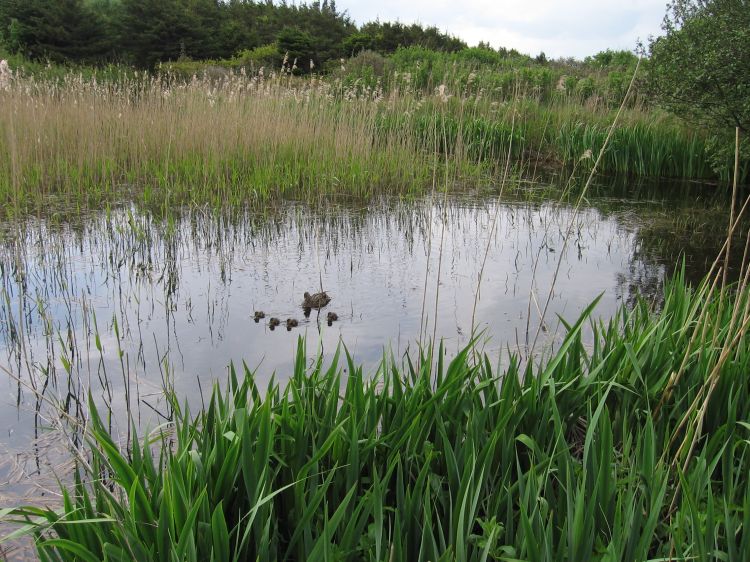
<point>635,448</point>
<point>240,138</point>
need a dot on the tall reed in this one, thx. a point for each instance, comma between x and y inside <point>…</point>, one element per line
<point>239,138</point>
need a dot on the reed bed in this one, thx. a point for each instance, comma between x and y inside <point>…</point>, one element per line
<point>238,138</point>
<point>220,143</point>
<point>635,448</point>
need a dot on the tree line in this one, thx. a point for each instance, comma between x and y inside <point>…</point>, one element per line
<point>144,33</point>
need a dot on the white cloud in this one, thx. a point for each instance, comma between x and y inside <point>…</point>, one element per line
<point>558,28</point>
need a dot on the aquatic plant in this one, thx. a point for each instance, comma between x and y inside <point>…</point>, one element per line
<point>244,138</point>
<point>633,449</point>
<point>643,149</point>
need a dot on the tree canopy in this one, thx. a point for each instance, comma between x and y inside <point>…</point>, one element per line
<point>700,67</point>
<point>60,31</point>
<point>146,32</point>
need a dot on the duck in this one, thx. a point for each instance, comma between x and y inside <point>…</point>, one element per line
<point>258,316</point>
<point>331,317</point>
<point>273,322</point>
<point>291,323</point>
<point>317,300</point>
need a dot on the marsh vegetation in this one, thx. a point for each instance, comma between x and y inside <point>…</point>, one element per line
<point>533,343</point>
<point>246,138</point>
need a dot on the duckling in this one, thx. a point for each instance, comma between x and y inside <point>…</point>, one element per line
<point>291,323</point>
<point>331,317</point>
<point>258,316</point>
<point>273,322</point>
<point>318,300</point>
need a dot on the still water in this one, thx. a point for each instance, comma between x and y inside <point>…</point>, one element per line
<point>122,304</point>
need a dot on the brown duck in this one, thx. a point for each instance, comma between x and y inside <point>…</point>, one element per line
<point>317,300</point>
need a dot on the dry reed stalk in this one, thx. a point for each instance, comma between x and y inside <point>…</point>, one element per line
<point>734,198</point>
<point>422,318</point>
<point>578,205</point>
<point>442,235</point>
<point>493,226</point>
<point>716,274</point>
<point>704,394</point>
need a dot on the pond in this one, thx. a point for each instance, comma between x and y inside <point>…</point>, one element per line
<point>122,304</point>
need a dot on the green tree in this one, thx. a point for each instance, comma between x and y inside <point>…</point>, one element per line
<point>329,29</point>
<point>11,36</point>
<point>108,15</point>
<point>239,30</point>
<point>356,43</point>
<point>56,30</point>
<point>612,59</point>
<point>208,34</point>
<point>297,46</point>
<point>160,30</point>
<point>700,67</point>
<point>387,37</point>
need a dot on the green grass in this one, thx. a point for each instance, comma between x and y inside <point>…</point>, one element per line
<point>633,448</point>
<point>640,149</point>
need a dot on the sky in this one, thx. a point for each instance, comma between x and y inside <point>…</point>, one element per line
<point>560,28</point>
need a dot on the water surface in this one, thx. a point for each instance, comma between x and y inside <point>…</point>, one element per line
<point>122,304</point>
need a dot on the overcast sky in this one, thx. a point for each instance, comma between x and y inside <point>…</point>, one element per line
<point>559,28</point>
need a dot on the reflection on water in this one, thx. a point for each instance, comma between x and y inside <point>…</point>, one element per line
<point>123,304</point>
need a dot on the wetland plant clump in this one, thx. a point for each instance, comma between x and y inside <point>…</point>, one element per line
<point>252,138</point>
<point>633,448</point>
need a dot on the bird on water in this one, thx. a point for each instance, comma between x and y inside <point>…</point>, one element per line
<point>316,300</point>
